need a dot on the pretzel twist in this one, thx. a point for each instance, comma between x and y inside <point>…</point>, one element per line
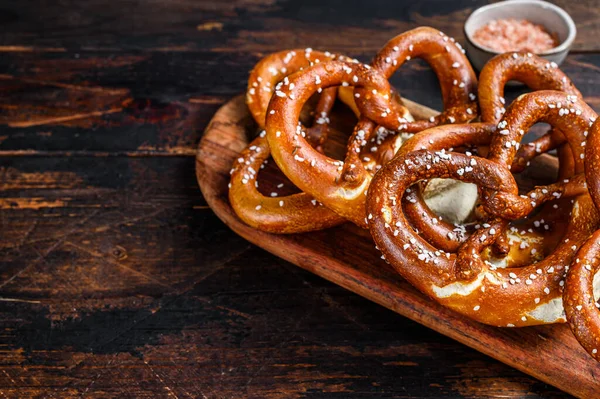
<point>345,192</point>
<point>563,112</point>
<point>466,281</point>
<point>538,74</point>
<point>439,232</point>
<point>431,226</point>
<point>339,185</point>
<point>294,213</point>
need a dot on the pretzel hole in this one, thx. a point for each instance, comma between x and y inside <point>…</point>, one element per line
<point>342,122</point>
<point>417,76</point>
<point>452,200</point>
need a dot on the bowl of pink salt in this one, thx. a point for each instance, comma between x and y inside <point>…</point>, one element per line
<point>533,26</point>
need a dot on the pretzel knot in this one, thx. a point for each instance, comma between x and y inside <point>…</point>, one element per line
<point>339,185</point>
<point>538,74</point>
<point>563,112</point>
<point>431,225</point>
<point>294,213</point>
<point>580,296</point>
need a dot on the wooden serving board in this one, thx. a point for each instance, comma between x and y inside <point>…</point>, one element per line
<point>346,256</point>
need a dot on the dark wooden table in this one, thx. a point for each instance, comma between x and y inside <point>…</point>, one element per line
<point>116,279</point>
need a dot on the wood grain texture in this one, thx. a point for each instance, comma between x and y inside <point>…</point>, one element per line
<point>105,105</point>
<point>244,25</point>
<point>346,256</point>
<point>117,280</point>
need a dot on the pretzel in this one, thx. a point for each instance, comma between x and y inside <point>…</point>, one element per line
<point>458,81</point>
<point>466,281</point>
<point>538,74</point>
<point>339,185</point>
<point>535,72</point>
<point>294,213</point>
<point>580,303</point>
<point>567,113</point>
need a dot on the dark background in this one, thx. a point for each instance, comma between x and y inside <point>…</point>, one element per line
<point>116,279</point>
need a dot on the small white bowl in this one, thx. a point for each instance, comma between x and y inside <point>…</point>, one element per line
<point>553,18</point>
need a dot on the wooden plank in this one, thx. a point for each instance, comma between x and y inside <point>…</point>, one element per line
<point>101,105</point>
<point>346,256</point>
<point>132,287</point>
<point>250,25</point>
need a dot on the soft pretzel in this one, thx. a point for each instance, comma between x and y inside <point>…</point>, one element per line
<point>530,69</point>
<point>580,300</point>
<point>339,185</point>
<point>294,213</point>
<point>535,72</point>
<point>466,281</point>
<point>567,113</point>
<point>272,70</point>
<point>435,229</point>
<point>458,81</point>
<point>538,74</point>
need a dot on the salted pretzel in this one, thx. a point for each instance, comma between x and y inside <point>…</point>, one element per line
<point>346,181</point>
<point>580,300</point>
<point>536,73</point>
<point>446,57</point>
<point>339,185</point>
<point>468,281</point>
<point>273,69</point>
<point>530,69</point>
<point>567,113</point>
<point>294,213</point>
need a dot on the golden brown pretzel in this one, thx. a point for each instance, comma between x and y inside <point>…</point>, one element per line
<point>458,81</point>
<point>538,74</point>
<point>527,68</point>
<point>465,281</point>
<point>296,213</point>
<point>273,69</point>
<point>339,185</point>
<point>458,84</point>
<point>439,232</point>
<point>292,213</point>
<point>567,113</point>
<point>532,70</point>
<point>580,303</point>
